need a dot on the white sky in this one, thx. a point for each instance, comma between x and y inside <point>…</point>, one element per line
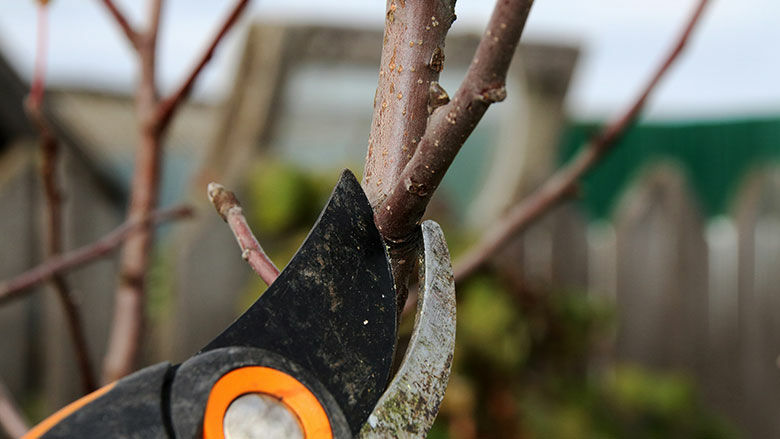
<point>730,69</point>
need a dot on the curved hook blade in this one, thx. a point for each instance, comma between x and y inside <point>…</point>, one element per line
<point>418,387</point>
<point>332,310</point>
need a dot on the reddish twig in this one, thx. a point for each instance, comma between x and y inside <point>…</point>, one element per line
<point>449,125</point>
<point>53,194</point>
<point>39,73</point>
<point>66,262</point>
<point>229,209</point>
<point>154,117</point>
<point>11,419</point>
<point>168,106</point>
<point>121,21</point>
<point>564,180</point>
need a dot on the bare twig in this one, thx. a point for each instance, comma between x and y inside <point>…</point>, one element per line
<point>49,153</point>
<point>154,117</point>
<point>11,419</point>
<point>450,124</point>
<point>19,285</point>
<point>563,181</point>
<point>229,209</point>
<point>168,106</point>
<point>121,21</point>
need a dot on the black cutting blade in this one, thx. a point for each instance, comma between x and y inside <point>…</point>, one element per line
<point>333,309</point>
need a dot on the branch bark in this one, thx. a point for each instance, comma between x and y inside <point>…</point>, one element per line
<point>450,124</point>
<point>11,419</point>
<point>230,211</point>
<point>416,130</point>
<point>412,58</point>
<point>66,262</point>
<point>563,181</point>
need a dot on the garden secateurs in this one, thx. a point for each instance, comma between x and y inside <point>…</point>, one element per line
<point>310,358</point>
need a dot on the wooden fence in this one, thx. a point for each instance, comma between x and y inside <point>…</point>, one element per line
<point>693,295</point>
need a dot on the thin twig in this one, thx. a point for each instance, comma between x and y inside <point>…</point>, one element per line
<point>169,105</point>
<point>11,419</point>
<point>21,284</point>
<point>53,194</point>
<point>229,209</point>
<point>564,180</point>
<point>449,125</point>
<point>121,20</point>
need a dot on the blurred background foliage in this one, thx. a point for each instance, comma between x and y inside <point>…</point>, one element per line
<point>528,363</point>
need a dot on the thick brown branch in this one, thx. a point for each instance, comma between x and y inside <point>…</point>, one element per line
<point>563,181</point>
<point>53,195</point>
<point>121,20</point>
<point>229,209</point>
<point>412,58</point>
<point>168,106</point>
<point>450,124</point>
<point>11,419</point>
<point>21,284</point>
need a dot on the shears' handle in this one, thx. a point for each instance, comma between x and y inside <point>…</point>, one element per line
<point>191,400</point>
<point>130,407</point>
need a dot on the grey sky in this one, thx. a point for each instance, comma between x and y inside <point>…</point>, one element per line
<point>731,68</point>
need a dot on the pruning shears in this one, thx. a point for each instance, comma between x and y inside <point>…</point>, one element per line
<point>310,358</point>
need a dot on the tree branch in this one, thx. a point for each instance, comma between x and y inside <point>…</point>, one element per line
<point>53,195</point>
<point>450,124</point>
<point>169,105</point>
<point>66,262</point>
<point>230,211</point>
<point>412,58</point>
<point>11,419</point>
<point>127,329</point>
<point>121,20</point>
<point>563,181</point>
